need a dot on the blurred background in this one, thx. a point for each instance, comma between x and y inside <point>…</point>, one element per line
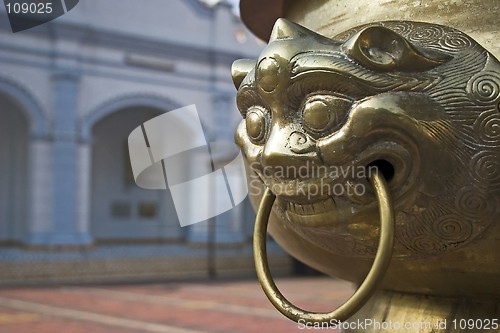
<point>71,91</point>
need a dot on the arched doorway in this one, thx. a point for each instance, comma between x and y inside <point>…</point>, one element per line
<point>14,129</point>
<point>120,210</point>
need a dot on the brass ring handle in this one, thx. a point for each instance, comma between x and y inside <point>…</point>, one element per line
<point>365,290</point>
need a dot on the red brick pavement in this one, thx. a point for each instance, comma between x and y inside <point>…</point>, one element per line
<point>205,307</point>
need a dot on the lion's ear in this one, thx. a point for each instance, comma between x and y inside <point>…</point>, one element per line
<point>240,69</point>
<point>382,49</point>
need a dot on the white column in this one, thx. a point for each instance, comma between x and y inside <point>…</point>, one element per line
<point>229,225</point>
<point>83,185</point>
<point>40,189</point>
<point>198,166</point>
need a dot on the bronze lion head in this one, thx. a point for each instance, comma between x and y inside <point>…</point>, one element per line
<point>418,101</point>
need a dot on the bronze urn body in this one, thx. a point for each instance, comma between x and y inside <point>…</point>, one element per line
<point>374,149</point>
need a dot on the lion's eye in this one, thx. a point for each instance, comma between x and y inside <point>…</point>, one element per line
<point>317,116</point>
<point>256,124</point>
<point>323,112</point>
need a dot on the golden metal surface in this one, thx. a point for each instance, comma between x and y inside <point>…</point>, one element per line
<point>367,287</point>
<point>476,18</point>
<point>418,100</point>
<point>394,312</point>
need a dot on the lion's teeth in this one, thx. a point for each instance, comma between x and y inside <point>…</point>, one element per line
<point>311,209</point>
<point>308,209</point>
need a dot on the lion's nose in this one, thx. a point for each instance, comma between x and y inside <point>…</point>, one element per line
<point>288,148</point>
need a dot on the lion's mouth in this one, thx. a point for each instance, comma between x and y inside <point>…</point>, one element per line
<point>322,200</point>
<point>325,212</point>
<point>320,207</point>
<point>321,212</point>
<point>325,207</point>
<point>299,190</point>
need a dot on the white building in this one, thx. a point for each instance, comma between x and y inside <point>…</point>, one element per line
<point>72,90</point>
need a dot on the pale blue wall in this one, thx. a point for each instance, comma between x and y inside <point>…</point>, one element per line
<point>100,58</point>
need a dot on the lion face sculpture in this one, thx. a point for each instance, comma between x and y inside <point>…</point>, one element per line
<point>418,101</point>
